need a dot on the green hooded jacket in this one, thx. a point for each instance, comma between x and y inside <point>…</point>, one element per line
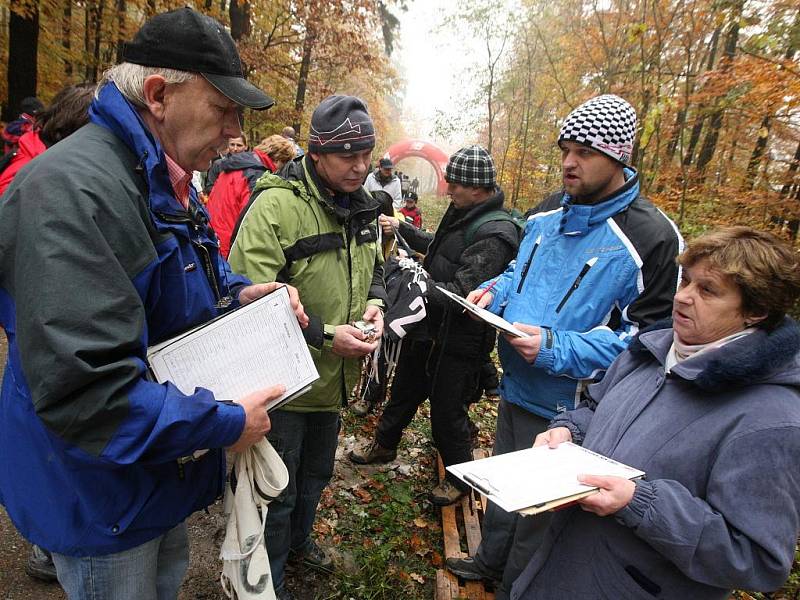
<point>292,231</point>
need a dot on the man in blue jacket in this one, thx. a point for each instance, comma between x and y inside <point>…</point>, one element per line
<point>105,250</point>
<point>596,264</point>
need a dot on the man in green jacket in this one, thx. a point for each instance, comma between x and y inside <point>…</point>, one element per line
<point>316,228</point>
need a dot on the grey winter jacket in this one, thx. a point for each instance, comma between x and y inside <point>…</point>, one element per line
<point>719,439</point>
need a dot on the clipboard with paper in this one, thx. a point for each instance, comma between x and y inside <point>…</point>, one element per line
<point>537,479</point>
<point>492,319</point>
<point>251,348</point>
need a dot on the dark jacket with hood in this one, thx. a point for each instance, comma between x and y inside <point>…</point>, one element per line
<point>459,267</point>
<point>719,439</point>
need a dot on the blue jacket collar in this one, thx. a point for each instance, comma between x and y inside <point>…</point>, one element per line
<point>114,112</point>
<point>579,218</point>
<point>761,357</point>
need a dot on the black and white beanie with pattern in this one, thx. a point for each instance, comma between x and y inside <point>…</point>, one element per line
<point>471,167</point>
<point>606,123</point>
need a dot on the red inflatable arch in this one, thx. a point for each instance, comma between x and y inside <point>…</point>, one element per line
<point>435,156</point>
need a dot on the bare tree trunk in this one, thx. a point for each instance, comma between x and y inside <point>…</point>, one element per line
<point>526,119</point>
<point>715,123</point>
<point>700,117</point>
<point>23,40</point>
<point>122,28</point>
<point>239,13</point>
<point>492,64</point>
<point>98,32</point>
<point>758,153</point>
<point>672,145</point>
<point>512,93</point>
<point>66,37</point>
<point>87,41</point>
<point>302,79</point>
<point>791,172</point>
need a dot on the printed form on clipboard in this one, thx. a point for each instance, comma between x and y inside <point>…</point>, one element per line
<point>492,319</point>
<point>251,348</point>
<point>537,479</point>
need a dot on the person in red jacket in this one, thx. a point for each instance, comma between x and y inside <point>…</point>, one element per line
<point>14,130</point>
<point>411,212</point>
<point>235,183</point>
<point>67,113</point>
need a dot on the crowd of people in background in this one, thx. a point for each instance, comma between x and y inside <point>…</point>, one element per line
<point>122,224</point>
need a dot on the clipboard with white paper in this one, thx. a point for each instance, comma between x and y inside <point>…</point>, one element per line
<point>492,319</point>
<point>251,348</point>
<point>537,479</point>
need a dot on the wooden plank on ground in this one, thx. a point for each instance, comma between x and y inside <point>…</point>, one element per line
<point>444,585</point>
<point>472,527</point>
<point>452,539</point>
<point>447,584</point>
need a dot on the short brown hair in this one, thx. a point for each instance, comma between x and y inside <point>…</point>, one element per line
<point>68,112</point>
<point>765,269</point>
<point>242,136</point>
<point>278,148</point>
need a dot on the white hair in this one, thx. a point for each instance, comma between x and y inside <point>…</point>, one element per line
<point>129,79</point>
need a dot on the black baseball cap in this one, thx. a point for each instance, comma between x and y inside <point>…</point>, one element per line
<point>187,40</point>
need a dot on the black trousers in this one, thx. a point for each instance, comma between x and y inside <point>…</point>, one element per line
<point>450,381</point>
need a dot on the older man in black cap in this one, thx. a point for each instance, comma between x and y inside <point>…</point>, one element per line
<point>384,179</point>
<point>100,463</point>
<point>317,229</point>
<point>474,241</point>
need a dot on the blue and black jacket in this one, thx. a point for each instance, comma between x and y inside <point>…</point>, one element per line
<point>98,260</point>
<point>590,276</point>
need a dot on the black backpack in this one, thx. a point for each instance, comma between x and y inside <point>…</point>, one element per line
<point>513,216</point>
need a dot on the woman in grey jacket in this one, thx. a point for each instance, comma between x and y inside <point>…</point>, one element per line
<point>709,407</point>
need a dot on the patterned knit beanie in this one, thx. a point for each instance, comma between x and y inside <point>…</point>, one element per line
<point>606,123</point>
<point>472,167</point>
<point>341,124</point>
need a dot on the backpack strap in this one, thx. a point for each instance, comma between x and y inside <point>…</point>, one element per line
<point>487,217</point>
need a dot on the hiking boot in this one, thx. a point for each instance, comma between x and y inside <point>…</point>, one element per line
<point>40,565</point>
<point>360,407</point>
<point>446,493</point>
<point>469,570</point>
<point>314,556</point>
<point>374,453</point>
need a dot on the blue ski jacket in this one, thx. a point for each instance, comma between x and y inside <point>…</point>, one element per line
<point>590,276</point>
<point>98,260</point>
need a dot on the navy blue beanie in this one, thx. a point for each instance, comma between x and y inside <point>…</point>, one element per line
<point>341,124</point>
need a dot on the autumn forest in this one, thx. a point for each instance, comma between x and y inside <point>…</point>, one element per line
<point>716,83</point>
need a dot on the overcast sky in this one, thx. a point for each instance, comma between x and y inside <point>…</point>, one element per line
<point>434,62</point>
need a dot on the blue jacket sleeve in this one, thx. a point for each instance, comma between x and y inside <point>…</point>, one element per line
<point>579,355</point>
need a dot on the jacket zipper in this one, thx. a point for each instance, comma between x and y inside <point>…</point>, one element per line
<point>589,264</point>
<point>528,264</point>
<point>202,251</point>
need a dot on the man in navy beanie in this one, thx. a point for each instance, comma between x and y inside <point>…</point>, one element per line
<point>316,228</point>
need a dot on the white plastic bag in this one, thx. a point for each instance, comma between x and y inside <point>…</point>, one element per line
<point>260,477</point>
